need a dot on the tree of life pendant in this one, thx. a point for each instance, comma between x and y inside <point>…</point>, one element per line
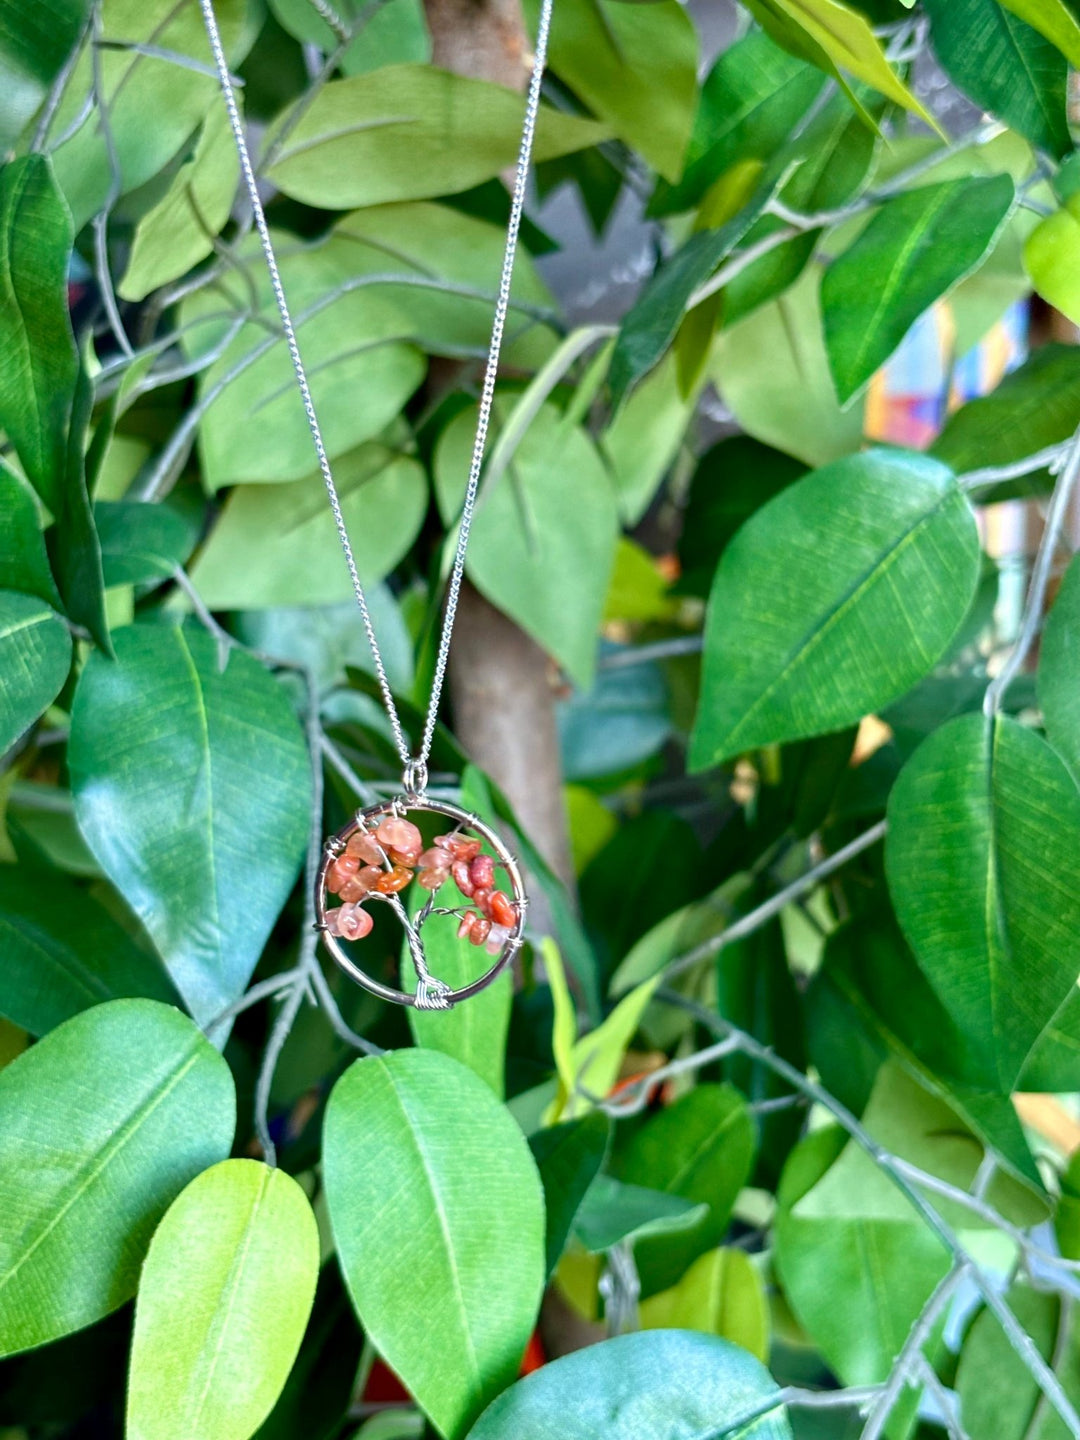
<point>458,866</point>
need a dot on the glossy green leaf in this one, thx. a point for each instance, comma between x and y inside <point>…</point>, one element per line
<point>140,542</point>
<point>155,102</point>
<point>1052,259</point>
<point>37,380</point>
<point>916,248</point>
<point>35,41</point>
<point>277,545</point>
<point>1059,668</point>
<point>224,1297</point>
<point>406,132</point>
<point>773,375</point>
<point>462,1246</point>
<point>613,1213</point>
<point>983,823</point>
<point>1054,20</point>
<point>24,562</point>
<point>665,1384</point>
<point>635,67</point>
<point>878,545</point>
<point>550,577</point>
<point>701,1149</point>
<point>998,1395</point>
<point>1004,66</point>
<point>35,656</point>
<point>1033,407</point>
<point>187,778</point>
<point>63,952</point>
<point>750,100</point>
<point>721,1294</point>
<point>101,1125</point>
<point>836,151</point>
<point>569,1157</point>
<point>179,231</point>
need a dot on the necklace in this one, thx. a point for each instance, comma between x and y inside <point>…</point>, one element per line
<point>382,851</point>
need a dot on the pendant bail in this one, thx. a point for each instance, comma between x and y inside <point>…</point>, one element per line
<point>415,778</point>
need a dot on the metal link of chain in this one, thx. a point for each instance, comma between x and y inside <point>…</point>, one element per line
<point>415,767</point>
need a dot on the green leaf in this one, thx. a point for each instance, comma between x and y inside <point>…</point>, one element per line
<point>390,35</point>
<point>550,577</point>
<point>983,823</point>
<point>35,656</point>
<point>63,952</point>
<point>569,1158</point>
<point>833,600</point>
<point>467,1224</point>
<point>102,1123</point>
<point>24,562</point>
<point>643,439</point>
<point>721,1294</point>
<point>613,1213</point>
<point>277,545</point>
<point>37,380</point>
<point>1005,66</point>
<point>998,1394</point>
<point>179,231</point>
<point>224,1297</point>
<point>773,374</point>
<point>141,543</point>
<point>1054,20</point>
<point>635,66</point>
<point>192,788</point>
<point>839,40</point>
<point>661,1383</point>
<point>916,248</point>
<point>595,1060</point>
<point>1052,258</point>
<point>407,132</point>
<point>700,1148</point>
<point>155,103</point>
<point>750,101</point>
<point>34,43</point>
<point>1059,666</point>
<point>1033,407</point>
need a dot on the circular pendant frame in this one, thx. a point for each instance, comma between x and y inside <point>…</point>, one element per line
<point>433,994</point>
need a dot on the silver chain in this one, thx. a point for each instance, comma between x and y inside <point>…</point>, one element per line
<point>415,766</point>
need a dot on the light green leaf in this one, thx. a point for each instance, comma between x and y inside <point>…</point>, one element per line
<point>224,1297</point>
<point>35,40</point>
<point>721,1294</point>
<point>998,1394</point>
<point>750,101</point>
<point>569,1158</point>
<point>179,231</point>
<point>187,778</point>
<point>136,86</point>
<point>984,822</point>
<point>1052,259</point>
<point>550,577</point>
<point>658,1383</point>
<point>101,1125</point>
<point>37,379</point>
<point>701,1148</point>
<point>278,545</point>
<point>1059,670</point>
<point>24,563</point>
<point>916,248</point>
<point>35,656</point>
<point>416,1130</point>
<point>407,132</point>
<point>141,543</point>
<point>1005,66</point>
<point>63,952</point>
<point>773,374</point>
<point>833,600</point>
<point>635,66</point>
<point>1054,20</point>
<point>391,35</point>
<point>597,1057</point>
<point>643,439</point>
<point>612,1213</point>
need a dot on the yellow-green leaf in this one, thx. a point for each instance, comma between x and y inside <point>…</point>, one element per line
<point>721,1294</point>
<point>1052,259</point>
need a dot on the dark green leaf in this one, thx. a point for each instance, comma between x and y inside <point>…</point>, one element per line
<point>833,600</point>
<point>1053,19</point>
<point>768,276</point>
<point>35,40</point>
<point>101,1125</point>
<point>141,543</point>
<point>73,542</point>
<point>63,952</point>
<point>192,787</point>
<point>998,1394</point>
<point>1059,671</point>
<point>569,1158</point>
<point>916,248</point>
<point>623,719</point>
<point>613,1213</point>
<point>24,563</point>
<point>984,823</point>
<point>35,655</point>
<point>1006,67</point>
<point>466,1220</point>
<point>664,1384</point>
<point>37,379</point>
